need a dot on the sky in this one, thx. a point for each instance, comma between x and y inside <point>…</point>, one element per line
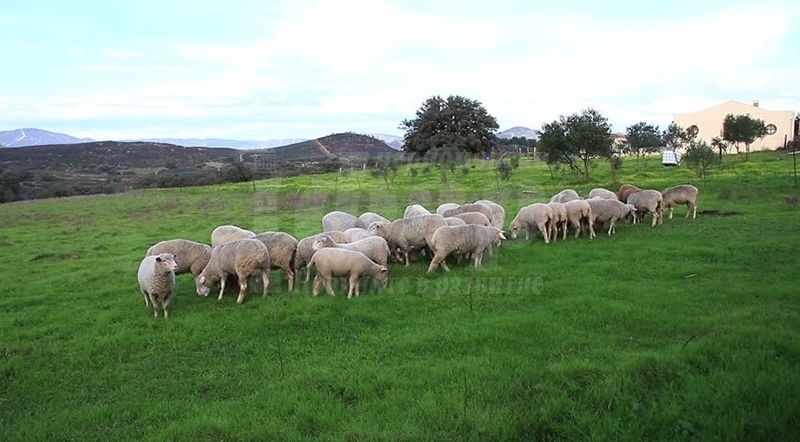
<point>263,69</point>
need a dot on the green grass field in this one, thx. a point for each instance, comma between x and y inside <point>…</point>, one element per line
<point>690,331</point>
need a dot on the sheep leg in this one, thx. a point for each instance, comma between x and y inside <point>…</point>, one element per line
<point>308,274</point>
<point>154,303</point>
<point>146,301</point>
<point>222,287</point>
<point>670,212</point>
<point>405,255</point>
<point>544,229</point>
<point>326,280</point>
<point>694,211</point>
<point>265,280</point>
<point>315,290</point>
<point>242,289</point>
<point>289,278</point>
<point>165,304</point>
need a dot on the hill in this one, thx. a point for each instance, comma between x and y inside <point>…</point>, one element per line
<point>344,145</point>
<point>519,132</point>
<point>36,137</point>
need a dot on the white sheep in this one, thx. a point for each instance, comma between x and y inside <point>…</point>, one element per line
<point>369,217</point>
<point>579,211</point>
<point>228,233</point>
<point>415,210</point>
<point>453,221</point>
<point>681,194</point>
<point>334,262</point>
<point>560,220</point>
<point>341,221</point>
<point>599,192</point>
<point>374,247</point>
<point>444,207</point>
<point>242,258</point>
<point>648,201</point>
<point>498,217</point>
<point>474,218</point>
<point>282,248</point>
<point>564,196</point>
<point>472,207</point>
<point>536,215</point>
<point>606,210</point>
<point>305,249</point>
<point>470,239</point>
<point>407,234</point>
<point>356,233</point>
<point>157,280</point>
<point>190,256</point>
<point>625,191</point>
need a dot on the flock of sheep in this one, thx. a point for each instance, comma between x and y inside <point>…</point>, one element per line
<point>351,247</point>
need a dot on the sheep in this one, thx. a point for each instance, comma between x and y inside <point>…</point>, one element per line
<point>610,210</point>
<point>341,221</point>
<point>356,233</point>
<point>467,239</point>
<point>305,249</point>
<point>228,233</point>
<point>282,248</point>
<point>453,221</point>
<point>498,217</point>
<point>374,247</point>
<point>534,215</point>
<point>648,201</point>
<point>564,196</point>
<point>157,280</point>
<point>445,207</point>
<point>578,210</point>
<point>241,258</point>
<point>625,191</point>
<point>407,234</point>
<point>334,262</point>
<point>190,256</point>
<point>473,207</point>
<point>415,210</point>
<point>599,192</point>
<point>474,218</point>
<point>559,219</point>
<point>368,217</point>
<point>681,194</point>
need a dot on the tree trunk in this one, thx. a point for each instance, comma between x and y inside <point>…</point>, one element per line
<point>586,169</point>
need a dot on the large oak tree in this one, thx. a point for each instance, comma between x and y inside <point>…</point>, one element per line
<point>581,137</point>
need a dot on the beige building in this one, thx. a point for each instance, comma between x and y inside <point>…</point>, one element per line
<point>708,123</point>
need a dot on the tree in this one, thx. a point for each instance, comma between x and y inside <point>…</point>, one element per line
<point>581,136</point>
<point>446,158</point>
<point>701,158</point>
<point>456,121</point>
<point>643,139</point>
<point>505,167</point>
<point>720,145</point>
<point>676,137</point>
<point>386,168</point>
<point>742,129</point>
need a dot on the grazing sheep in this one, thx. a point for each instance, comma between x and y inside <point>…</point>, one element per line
<point>305,249</point>
<point>223,234</point>
<point>241,258</point>
<point>444,207</point>
<point>560,220</point>
<point>282,248</point>
<point>190,256</point>
<point>470,239</point>
<point>625,191</point>
<point>369,217</point>
<point>599,192</point>
<point>157,280</point>
<point>682,194</point>
<point>415,210</point>
<point>407,234</point>
<point>340,221</point>
<point>474,218</point>
<point>577,212</point>
<point>610,210</point>
<point>334,262</point>
<point>534,215</point>
<point>498,217</point>
<point>356,233</point>
<point>453,221</point>
<point>564,196</point>
<point>648,201</point>
<point>374,247</point>
<point>472,207</point>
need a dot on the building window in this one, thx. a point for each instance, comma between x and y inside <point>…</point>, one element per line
<point>771,129</point>
<point>692,130</point>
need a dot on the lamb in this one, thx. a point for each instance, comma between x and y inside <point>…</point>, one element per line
<point>467,239</point>
<point>369,217</point>
<point>610,210</point>
<point>559,219</point>
<point>157,280</point>
<point>282,248</point>
<point>341,221</point>
<point>415,210</point>
<point>374,247</point>
<point>474,218</point>
<point>473,207</point>
<point>648,201</point>
<point>534,215</point>
<point>241,258</point>
<point>334,262</point>
<point>407,234</point>
<point>625,191</point>
<point>190,256</point>
<point>356,233</point>
<point>445,207</point>
<point>681,194</point>
<point>564,196</point>
<point>498,217</point>
<point>453,221</point>
<point>599,192</point>
<point>305,249</point>
<point>228,233</point>
<point>577,211</point>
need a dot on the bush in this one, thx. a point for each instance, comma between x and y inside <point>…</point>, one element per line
<point>700,158</point>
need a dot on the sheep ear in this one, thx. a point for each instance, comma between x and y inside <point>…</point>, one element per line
<point>158,259</point>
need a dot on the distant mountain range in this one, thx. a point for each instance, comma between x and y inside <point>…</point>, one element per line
<point>36,137</point>
<point>519,132</point>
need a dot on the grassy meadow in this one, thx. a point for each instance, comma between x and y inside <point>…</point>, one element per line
<point>689,331</point>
